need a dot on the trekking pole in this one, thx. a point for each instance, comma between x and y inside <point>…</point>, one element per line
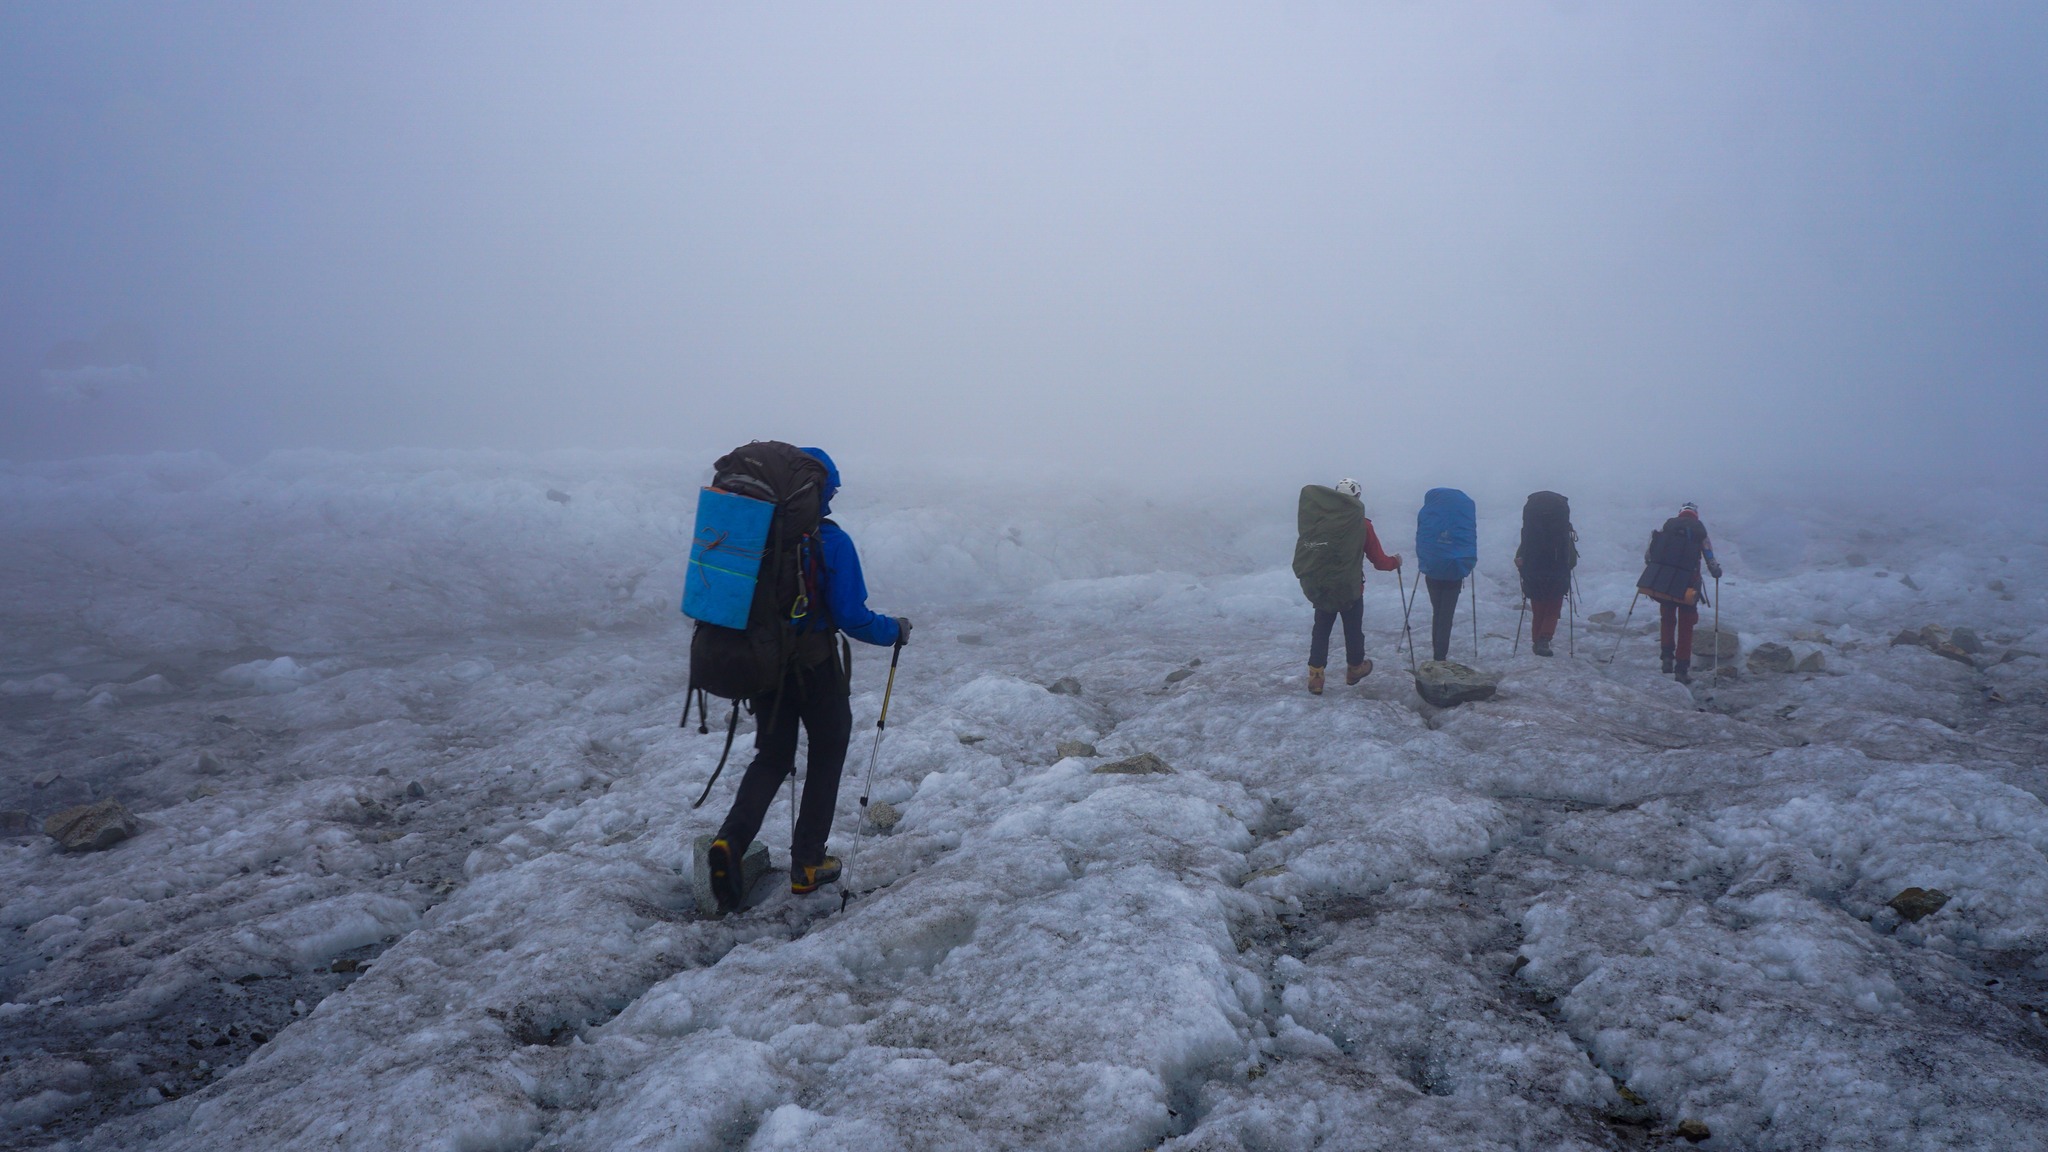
<point>1624,626</point>
<point>881,722</point>
<point>1717,627</point>
<point>1475,614</point>
<point>1517,649</point>
<point>1571,636</point>
<point>1406,601</point>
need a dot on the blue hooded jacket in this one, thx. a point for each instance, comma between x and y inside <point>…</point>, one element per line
<point>846,593</point>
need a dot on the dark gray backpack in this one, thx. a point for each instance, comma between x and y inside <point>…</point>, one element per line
<point>1329,548</point>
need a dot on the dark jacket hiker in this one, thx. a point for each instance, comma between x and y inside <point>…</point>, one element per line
<point>1548,553</point>
<point>812,693</point>
<point>1671,577</point>
<point>1334,540</point>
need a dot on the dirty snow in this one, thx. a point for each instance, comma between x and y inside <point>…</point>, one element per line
<point>413,870</point>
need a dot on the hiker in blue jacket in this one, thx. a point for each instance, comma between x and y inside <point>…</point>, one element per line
<point>815,695</point>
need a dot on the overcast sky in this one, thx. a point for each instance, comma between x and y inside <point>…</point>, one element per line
<point>1416,238</point>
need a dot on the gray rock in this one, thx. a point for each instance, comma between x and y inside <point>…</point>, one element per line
<point>46,778</point>
<point>1695,1131</point>
<point>1143,764</point>
<point>1064,686</point>
<point>1917,903</point>
<point>416,790</point>
<point>208,765</point>
<point>1933,635</point>
<point>1908,582</point>
<point>1066,748</point>
<point>1771,658</point>
<point>1447,683</point>
<point>971,739</point>
<point>1178,675</point>
<point>753,864</point>
<point>1966,639</point>
<point>15,822</point>
<point>883,815</point>
<point>1728,647</point>
<point>1906,636</point>
<point>558,496</point>
<point>1195,663</point>
<point>1995,586</point>
<point>92,827</point>
<point>969,638</point>
<point>1813,662</point>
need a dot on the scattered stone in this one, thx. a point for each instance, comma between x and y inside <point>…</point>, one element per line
<point>753,864</point>
<point>1601,618</point>
<point>15,822</point>
<point>1067,748</point>
<point>45,779</point>
<point>1856,559</point>
<point>558,496</point>
<point>1629,1094</point>
<point>883,815</point>
<point>1694,1131</point>
<point>1143,764</point>
<point>1966,639</point>
<point>92,827</point>
<point>1917,903</point>
<point>1447,683</point>
<point>1813,662</point>
<point>969,638</point>
<point>1770,658</point>
<point>416,790</point>
<point>1880,573</point>
<point>971,739</point>
<point>344,965</point>
<point>1906,636</point>
<point>1908,582</point>
<point>1178,675</point>
<point>1995,586</point>
<point>1728,647</point>
<point>1195,663</point>
<point>208,765</point>
<point>1064,686</point>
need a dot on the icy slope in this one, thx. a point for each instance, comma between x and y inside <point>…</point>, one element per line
<point>1575,916</point>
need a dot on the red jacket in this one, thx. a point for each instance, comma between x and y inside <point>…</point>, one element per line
<point>1378,555</point>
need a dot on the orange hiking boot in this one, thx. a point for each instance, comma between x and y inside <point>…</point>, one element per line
<point>1315,680</point>
<point>1357,672</point>
<point>725,875</point>
<point>805,879</point>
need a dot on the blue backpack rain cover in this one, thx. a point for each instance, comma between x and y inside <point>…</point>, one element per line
<point>725,557</point>
<point>1447,534</point>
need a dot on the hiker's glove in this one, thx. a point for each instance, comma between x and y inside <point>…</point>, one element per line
<point>902,630</point>
<point>1714,569</point>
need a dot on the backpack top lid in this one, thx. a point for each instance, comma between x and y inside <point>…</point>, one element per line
<point>1544,507</point>
<point>1447,534</point>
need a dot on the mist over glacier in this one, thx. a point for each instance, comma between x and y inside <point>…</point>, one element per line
<point>359,369</point>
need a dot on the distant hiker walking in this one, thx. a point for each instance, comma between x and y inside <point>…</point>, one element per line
<point>1671,577</point>
<point>1548,553</point>
<point>782,657</point>
<point>1446,551</point>
<point>1335,538</point>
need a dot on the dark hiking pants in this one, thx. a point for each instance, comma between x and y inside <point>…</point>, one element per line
<point>1679,619</point>
<point>1543,613</point>
<point>1443,612</point>
<point>815,698</point>
<point>1354,634</point>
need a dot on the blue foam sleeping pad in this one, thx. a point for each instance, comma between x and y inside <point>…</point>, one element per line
<point>1447,534</point>
<point>725,557</point>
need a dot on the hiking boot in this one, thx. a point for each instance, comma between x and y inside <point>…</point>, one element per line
<point>1540,647</point>
<point>805,879</point>
<point>724,864</point>
<point>1684,675</point>
<point>1357,672</point>
<point>1315,680</point>
<point>1667,655</point>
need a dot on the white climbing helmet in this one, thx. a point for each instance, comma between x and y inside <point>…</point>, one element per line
<point>1348,486</point>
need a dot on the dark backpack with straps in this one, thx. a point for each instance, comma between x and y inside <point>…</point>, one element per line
<point>744,663</point>
<point>1672,570</point>
<point>1547,552</point>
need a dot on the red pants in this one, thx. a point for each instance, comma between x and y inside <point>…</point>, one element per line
<point>1679,618</point>
<point>1544,614</point>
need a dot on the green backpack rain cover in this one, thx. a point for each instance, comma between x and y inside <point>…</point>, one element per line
<point>1329,553</point>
